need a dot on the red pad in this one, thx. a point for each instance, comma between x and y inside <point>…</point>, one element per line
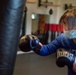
<point>56,27</point>
<point>53,27</point>
<point>46,27</point>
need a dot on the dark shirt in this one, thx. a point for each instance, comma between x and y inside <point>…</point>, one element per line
<point>60,42</point>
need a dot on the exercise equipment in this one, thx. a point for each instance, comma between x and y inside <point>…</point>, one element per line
<point>11,12</point>
<point>50,11</point>
<point>28,42</point>
<point>65,58</point>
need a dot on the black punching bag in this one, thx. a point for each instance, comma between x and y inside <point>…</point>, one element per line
<point>11,12</point>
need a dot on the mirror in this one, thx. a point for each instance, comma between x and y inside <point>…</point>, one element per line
<point>38,26</point>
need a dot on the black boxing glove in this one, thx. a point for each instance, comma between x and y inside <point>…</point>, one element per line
<point>28,42</point>
<point>24,44</point>
<point>65,58</point>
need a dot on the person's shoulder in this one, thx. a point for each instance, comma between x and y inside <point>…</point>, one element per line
<point>61,36</point>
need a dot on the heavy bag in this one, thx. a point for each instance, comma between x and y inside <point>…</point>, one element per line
<point>27,42</point>
<point>11,13</point>
<point>65,58</point>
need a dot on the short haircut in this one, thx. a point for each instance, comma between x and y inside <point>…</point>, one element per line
<point>68,13</point>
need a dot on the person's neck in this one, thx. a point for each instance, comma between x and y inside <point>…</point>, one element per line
<point>74,40</point>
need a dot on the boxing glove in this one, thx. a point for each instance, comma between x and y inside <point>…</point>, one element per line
<point>28,42</point>
<point>34,43</point>
<point>65,58</point>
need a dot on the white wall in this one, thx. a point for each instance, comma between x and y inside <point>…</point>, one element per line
<point>61,9</point>
<point>33,8</point>
<point>54,18</point>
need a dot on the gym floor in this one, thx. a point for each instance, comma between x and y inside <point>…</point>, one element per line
<point>33,64</point>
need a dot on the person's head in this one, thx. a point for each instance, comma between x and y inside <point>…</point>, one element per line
<point>68,20</point>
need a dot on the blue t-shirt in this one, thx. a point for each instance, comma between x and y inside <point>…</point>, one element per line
<point>60,42</point>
